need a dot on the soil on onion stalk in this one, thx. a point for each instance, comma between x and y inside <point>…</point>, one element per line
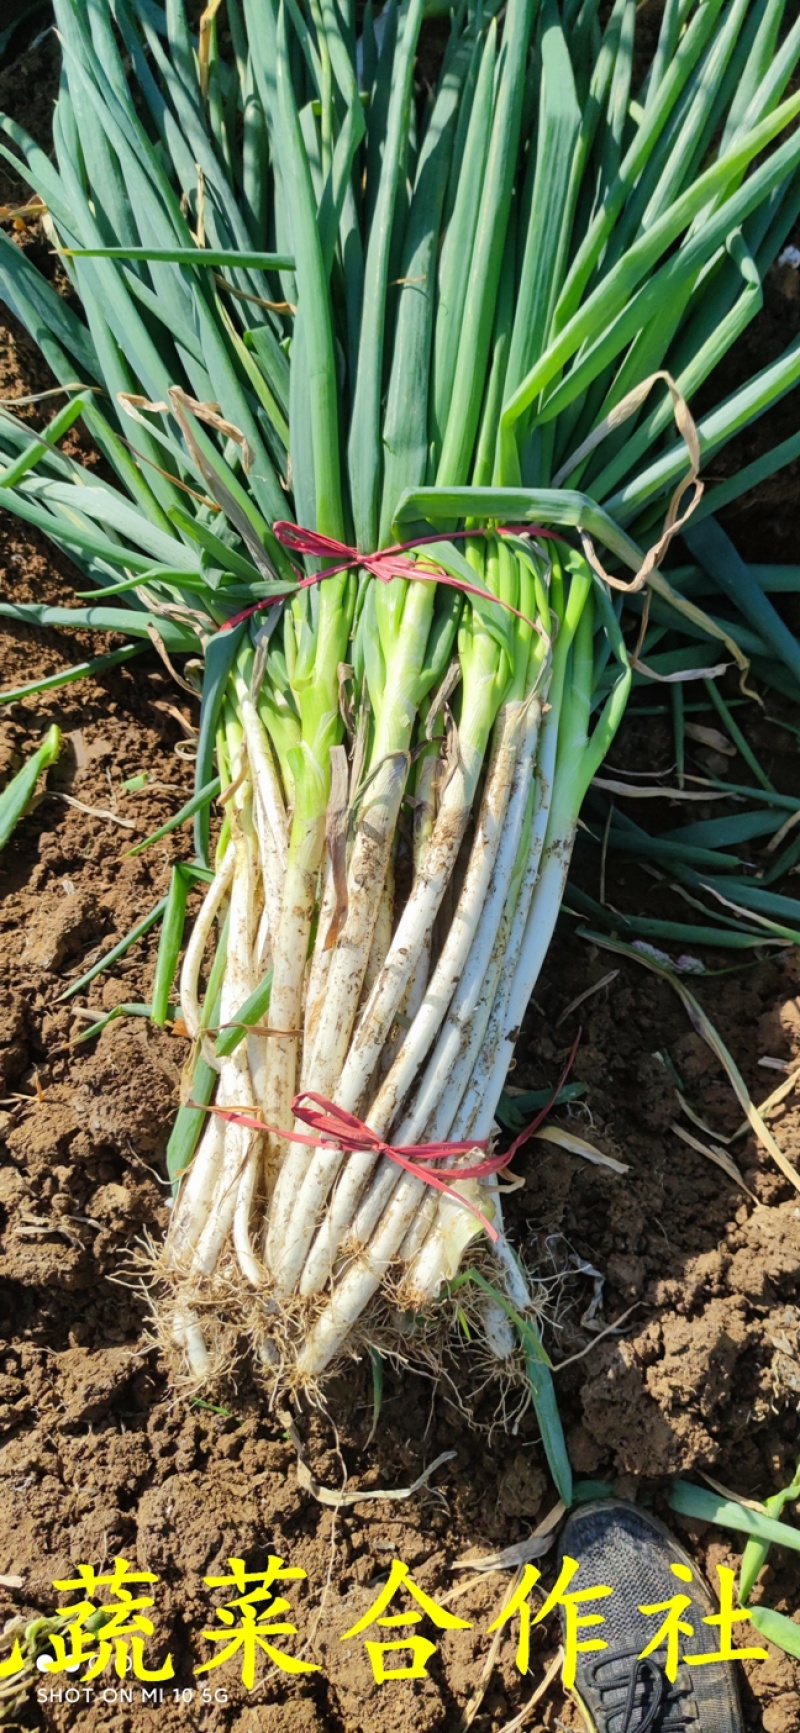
<point>101,1457</point>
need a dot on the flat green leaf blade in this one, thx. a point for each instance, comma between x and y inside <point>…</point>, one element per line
<point>18,793</point>
<point>751,476</point>
<point>458,241</point>
<point>203,257</point>
<point>552,206</point>
<point>540,1378</point>
<point>119,950</point>
<point>487,254</point>
<point>717,554</point>
<point>221,653</point>
<point>66,676</point>
<point>321,405</point>
<point>169,944</point>
<point>755,1552</point>
<point>405,420</point>
<point>612,299</point>
<point>662,99</point>
<point>696,1501</point>
<point>364,445</point>
<point>199,801</point>
<point>777,1628</point>
<point>189,1120</point>
<point>714,430</point>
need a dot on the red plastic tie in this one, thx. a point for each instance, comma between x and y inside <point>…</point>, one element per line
<point>335,1125</point>
<point>385,564</point>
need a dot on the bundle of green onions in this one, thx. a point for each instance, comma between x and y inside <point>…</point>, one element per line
<point>314,286</point>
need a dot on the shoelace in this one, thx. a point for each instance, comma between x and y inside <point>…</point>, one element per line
<point>640,1671</point>
<point>643,1669</point>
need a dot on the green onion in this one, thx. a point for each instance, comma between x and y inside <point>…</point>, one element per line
<point>444,314</point>
<point>19,792</point>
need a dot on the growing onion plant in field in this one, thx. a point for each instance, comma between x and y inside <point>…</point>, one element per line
<point>337,290</point>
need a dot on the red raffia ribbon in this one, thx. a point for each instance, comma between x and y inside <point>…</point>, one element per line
<point>385,564</point>
<point>333,1125</point>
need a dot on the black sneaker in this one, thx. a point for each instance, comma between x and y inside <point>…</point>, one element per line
<point>619,1545</point>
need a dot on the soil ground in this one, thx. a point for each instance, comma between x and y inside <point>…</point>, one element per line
<point>102,1457</point>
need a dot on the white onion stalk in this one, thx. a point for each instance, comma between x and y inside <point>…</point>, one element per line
<point>325,1166</point>
<point>334,1228</point>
